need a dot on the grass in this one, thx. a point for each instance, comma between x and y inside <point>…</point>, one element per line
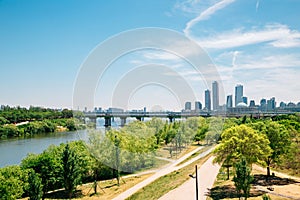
<point>194,155</point>
<point>106,189</point>
<point>164,184</point>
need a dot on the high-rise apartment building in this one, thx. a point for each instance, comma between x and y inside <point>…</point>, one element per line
<point>271,104</point>
<point>188,105</point>
<point>252,103</point>
<point>207,100</point>
<point>229,101</point>
<point>198,105</point>
<point>263,104</point>
<point>215,95</point>
<point>238,94</point>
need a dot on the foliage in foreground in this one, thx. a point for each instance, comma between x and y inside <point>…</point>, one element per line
<point>243,178</point>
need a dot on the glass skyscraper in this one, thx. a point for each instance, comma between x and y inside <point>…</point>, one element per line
<point>215,95</point>
<point>238,94</point>
<point>207,100</point>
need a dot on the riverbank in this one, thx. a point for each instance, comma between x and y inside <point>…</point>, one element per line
<point>30,128</point>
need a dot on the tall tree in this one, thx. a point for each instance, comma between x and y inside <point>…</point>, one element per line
<point>279,142</point>
<point>243,178</point>
<point>35,187</point>
<point>71,170</point>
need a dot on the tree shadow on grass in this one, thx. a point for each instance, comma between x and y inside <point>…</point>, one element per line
<point>62,194</point>
<point>226,191</point>
<point>263,180</point>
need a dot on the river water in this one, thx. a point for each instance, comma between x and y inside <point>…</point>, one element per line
<point>12,151</point>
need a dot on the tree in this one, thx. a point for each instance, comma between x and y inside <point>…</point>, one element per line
<point>158,125</point>
<point>71,170</point>
<point>201,133</point>
<point>35,189</point>
<point>48,166</point>
<point>3,120</point>
<point>242,141</point>
<point>242,178</point>
<point>13,181</point>
<point>279,142</point>
<point>70,124</point>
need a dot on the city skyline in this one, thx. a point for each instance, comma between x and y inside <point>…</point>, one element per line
<point>43,45</point>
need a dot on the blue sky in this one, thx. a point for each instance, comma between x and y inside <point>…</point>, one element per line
<point>43,44</point>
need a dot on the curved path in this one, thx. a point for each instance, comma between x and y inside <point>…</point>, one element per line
<point>207,174</point>
<point>165,170</point>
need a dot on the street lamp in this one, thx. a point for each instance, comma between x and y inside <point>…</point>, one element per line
<point>195,177</point>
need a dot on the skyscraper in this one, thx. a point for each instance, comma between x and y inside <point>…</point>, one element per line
<point>238,94</point>
<point>188,105</point>
<point>263,104</point>
<point>207,100</point>
<point>198,105</point>
<point>229,101</point>
<point>252,103</point>
<point>271,104</point>
<point>215,95</point>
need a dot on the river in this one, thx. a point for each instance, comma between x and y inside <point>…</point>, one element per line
<point>12,151</point>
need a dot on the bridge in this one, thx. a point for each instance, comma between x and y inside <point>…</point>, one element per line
<point>140,115</point>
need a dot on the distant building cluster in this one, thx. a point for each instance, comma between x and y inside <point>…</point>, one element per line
<point>240,103</point>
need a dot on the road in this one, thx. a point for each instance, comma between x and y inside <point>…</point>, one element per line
<point>207,174</point>
<point>165,170</point>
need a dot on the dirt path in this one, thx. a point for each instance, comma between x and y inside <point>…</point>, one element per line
<point>163,171</point>
<point>206,176</point>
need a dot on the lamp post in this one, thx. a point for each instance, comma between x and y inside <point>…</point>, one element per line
<point>196,177</point>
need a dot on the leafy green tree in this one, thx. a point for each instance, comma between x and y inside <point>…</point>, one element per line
<point>242,141</point>
<point>13,181</point>
<point>67,113</point>
<point>70,124</point>
<point>279,142</point>
<point>3,120</point>
<point>157,125</point>
<point>10,130</point>
<point>201,133</point>
<point>48,166</point>
<point>35,188</point>
<point>71,170</point>
<point>243,178</point>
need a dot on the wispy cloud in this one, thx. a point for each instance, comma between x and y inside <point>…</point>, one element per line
<point>277,35</point>
<point>160,55</point>
<point>257,5</point>
<point>206,14</point>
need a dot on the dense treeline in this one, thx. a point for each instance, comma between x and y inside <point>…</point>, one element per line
<point>10,115</point>
<point>272,142</point>
<point>17,121</point>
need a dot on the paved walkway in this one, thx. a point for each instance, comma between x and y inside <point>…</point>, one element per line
<point>206,177</point>
<point>166,170</point>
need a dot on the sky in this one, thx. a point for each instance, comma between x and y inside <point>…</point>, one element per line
<point>45,44</point>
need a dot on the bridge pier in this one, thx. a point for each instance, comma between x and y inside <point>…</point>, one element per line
<point>171,119</point>
<point>123,121</point>
<point>140,118</point>
<point>107,121</point>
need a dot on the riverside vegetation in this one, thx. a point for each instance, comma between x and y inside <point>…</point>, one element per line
<point>132,148</point>
<point>18,122</point>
